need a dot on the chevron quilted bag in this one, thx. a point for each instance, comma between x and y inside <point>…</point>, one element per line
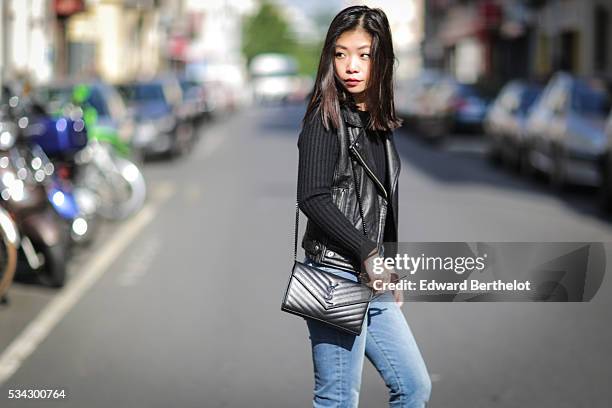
<point>327,297</point>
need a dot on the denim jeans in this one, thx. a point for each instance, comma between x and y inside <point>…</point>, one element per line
<point>387,341</point>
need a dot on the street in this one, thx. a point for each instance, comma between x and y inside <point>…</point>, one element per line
<point>181,304</point>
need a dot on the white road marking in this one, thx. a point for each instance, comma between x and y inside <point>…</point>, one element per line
<point>139,263</point>
<point>38,329</point>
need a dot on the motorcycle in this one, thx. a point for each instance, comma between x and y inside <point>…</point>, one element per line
<point>118,183</point>
<point>104,164</point>
<point>76,205</point>
<point>44,243</point>
<point>9,235</point>
<point>54,143</point>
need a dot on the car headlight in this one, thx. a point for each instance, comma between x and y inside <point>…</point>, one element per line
<point>145,133</point>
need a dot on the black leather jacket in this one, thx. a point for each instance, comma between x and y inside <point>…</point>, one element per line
<point>352,169</point>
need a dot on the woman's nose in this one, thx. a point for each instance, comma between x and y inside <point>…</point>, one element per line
<point>352,66</point>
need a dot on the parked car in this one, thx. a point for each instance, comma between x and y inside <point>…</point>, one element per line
<point>227,85</point>
<point>196,100</point>
<point>410,95</point>
<point>437,105</point>
<point>565,130</point>
<point>504,124</point>
<point>451,106</point>
<point>163,122</point>
<point>606,169</point>
<point>110,108</point>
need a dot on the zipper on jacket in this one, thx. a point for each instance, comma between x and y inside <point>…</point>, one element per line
<point>369,171</point>
<point>382,223</point>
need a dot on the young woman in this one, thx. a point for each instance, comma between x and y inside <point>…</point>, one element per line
<point>348,189</point>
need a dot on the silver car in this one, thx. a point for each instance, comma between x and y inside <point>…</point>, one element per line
<point>606,169</point>
<point>505,122</point>
<point>565,130</point>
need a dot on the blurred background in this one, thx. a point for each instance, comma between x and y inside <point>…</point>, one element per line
<point>147,181</point>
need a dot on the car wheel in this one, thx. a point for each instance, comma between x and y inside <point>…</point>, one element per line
<point>510,155</point>
<point>494,154</point>
<point>558,173</point>
<point>436,132</point>
<point>605,190</point>
<point>524,164</point>
<point>54,269</point>
<point>183,138</point>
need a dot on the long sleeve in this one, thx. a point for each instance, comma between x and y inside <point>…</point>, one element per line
<point>318,153</point>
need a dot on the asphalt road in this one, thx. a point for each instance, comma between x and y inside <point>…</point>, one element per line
<point>180,306</point>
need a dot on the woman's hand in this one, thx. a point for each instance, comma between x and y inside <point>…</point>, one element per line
<point>388,274</point>
<point>376,280</point>
<point>398,295</point>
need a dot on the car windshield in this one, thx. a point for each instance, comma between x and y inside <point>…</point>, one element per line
<point>146,93</point>
<point>590,99</point>
<point>528,97</point>
<point>96,99</point>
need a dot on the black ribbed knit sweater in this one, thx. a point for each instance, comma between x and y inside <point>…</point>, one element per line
<point>318,153</point>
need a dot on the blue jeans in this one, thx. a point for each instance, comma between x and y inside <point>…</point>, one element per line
<point>387,341</point>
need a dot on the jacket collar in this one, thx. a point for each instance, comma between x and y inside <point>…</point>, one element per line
<point>351,116</point>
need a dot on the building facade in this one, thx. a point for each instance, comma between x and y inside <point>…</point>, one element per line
<point>406,20</point>
<point>26,39</point>
<point>115,40</point>
<point>493,41</point>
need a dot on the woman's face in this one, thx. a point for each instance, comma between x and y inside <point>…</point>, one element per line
<point>352,60</point>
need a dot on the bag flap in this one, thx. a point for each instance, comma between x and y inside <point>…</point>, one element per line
<point>329,289</point>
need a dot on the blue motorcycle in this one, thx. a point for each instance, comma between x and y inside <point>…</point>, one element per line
<point>55,144</point>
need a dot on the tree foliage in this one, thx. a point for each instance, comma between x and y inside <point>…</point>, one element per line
<point>268,31</point>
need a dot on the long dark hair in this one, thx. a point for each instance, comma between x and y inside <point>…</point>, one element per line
<point>329,93</point>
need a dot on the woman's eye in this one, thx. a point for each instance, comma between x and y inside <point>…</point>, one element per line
<point>339,54</point>
<point>366,55</point>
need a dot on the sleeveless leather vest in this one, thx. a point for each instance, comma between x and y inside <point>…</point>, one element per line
<point>353,174</point>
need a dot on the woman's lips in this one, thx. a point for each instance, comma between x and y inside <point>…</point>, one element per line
<point>351,83</point>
